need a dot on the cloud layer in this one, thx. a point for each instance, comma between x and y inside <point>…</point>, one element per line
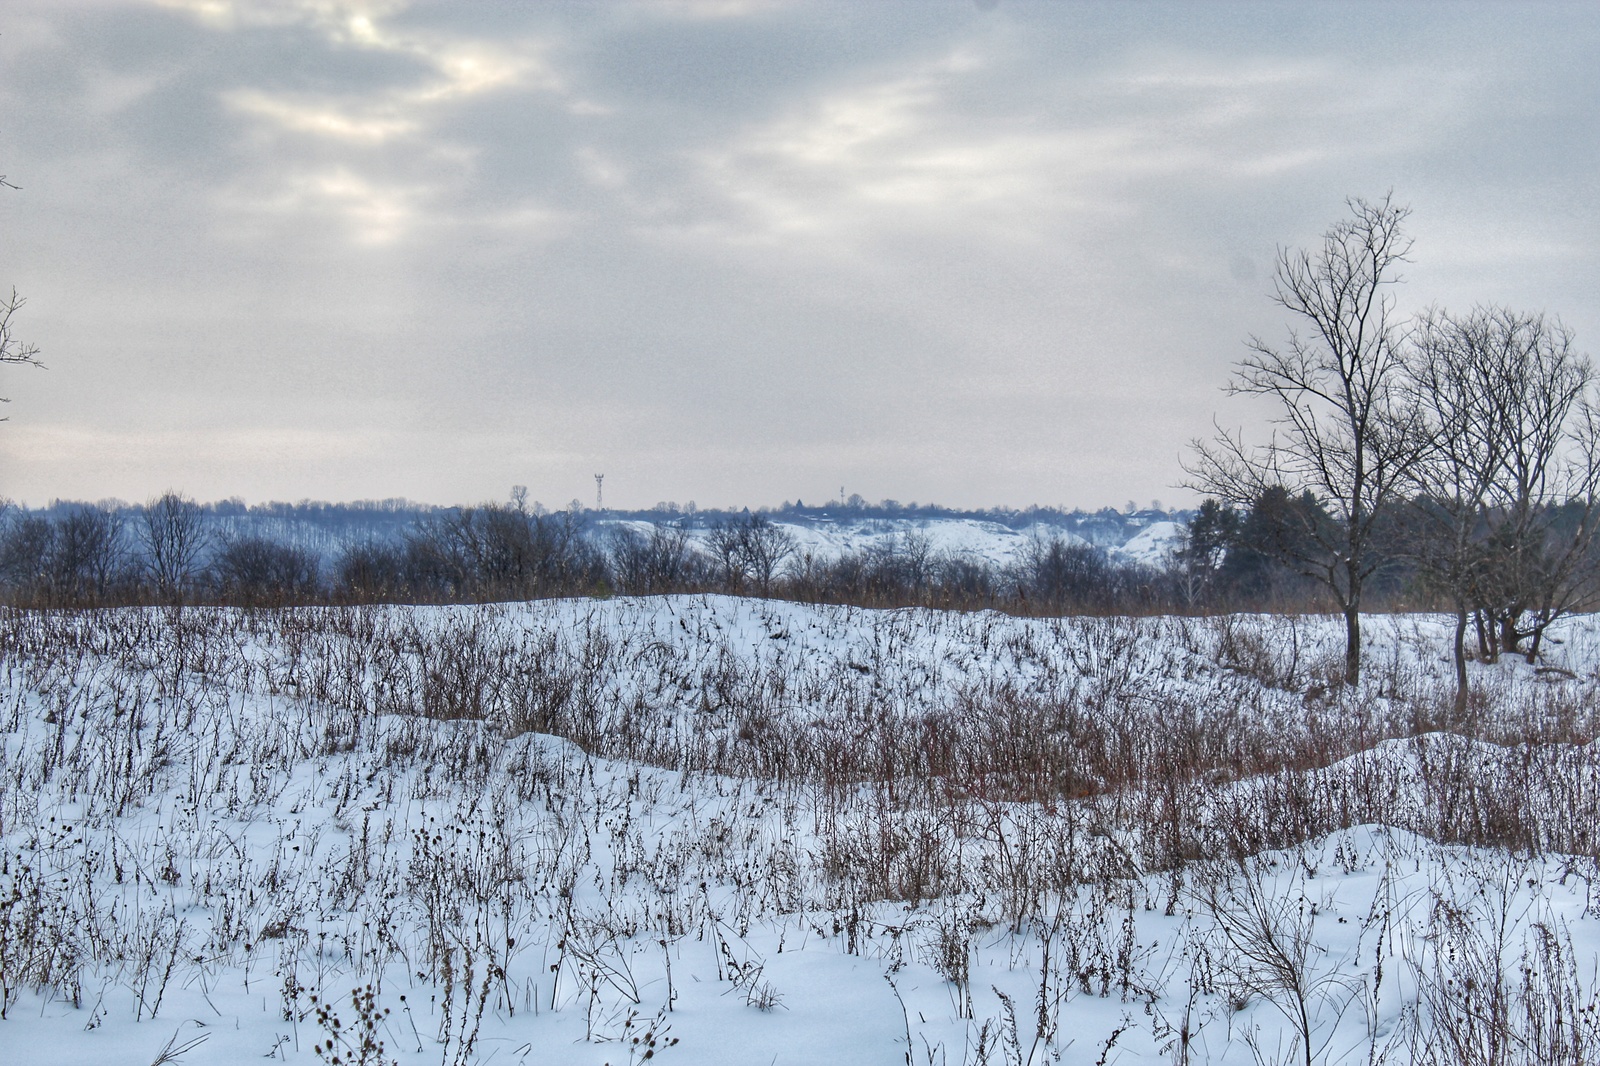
<point>733,252</point>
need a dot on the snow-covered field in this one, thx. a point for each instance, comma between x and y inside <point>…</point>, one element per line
<point>713,830</point>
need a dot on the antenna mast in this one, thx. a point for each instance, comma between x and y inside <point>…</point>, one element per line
<point>598,478</point>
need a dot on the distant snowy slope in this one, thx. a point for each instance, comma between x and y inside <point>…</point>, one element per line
<point>989,542</point>
<point>1152,546</point>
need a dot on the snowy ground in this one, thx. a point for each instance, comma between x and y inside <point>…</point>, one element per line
<point>732,831</point>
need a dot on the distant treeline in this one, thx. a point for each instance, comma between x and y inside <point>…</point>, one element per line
<point>326,527</point>
<point>175,550</point>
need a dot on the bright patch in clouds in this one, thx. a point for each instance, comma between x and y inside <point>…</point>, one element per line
<point>321,118</point>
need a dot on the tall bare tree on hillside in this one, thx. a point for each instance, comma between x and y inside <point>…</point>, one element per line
<point>1342,433</point>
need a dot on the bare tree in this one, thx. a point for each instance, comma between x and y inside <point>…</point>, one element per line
<point>173,533</point>
<point>13,350</point>
<point>1342,434</point>
<point>1543,507</point>
<point>907,561</point>
<point>87,555</point>
<point>750,548</point>
<point>25,544</point>
<point>370,570</point>
<point>1056,574</point>
<point>662,561</point>
<point>1456,367</point>
<point>256,571</point>
<point>725,543</point>
<point>767,547</point>
<point>1506,491</point>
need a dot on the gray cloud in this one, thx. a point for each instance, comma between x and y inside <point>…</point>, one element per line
<point>735,252</point>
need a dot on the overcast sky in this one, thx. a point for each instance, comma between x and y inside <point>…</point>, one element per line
<point>732,251</point>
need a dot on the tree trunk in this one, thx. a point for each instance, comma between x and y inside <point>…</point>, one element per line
<point>1510,639</point>
<point>1461,663</point>
<point>1352,644</point>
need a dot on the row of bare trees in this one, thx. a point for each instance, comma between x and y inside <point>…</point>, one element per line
<point>1470,442</point>
<point>172,551</point>
<point>163,553</point>
<point>168,552</point>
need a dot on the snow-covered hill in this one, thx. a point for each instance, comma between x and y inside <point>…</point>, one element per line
<point>713,830</point>
<point>990,542</point>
